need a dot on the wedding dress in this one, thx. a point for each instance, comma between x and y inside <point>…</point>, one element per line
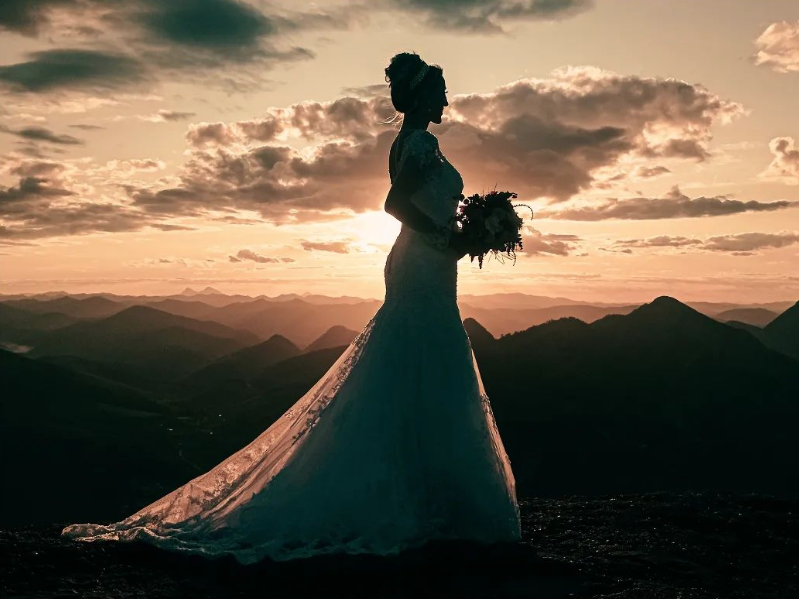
<point>394,446</point>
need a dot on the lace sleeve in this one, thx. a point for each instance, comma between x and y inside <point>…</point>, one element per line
<point>422,148</point>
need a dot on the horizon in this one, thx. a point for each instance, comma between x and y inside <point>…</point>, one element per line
<point>190,292</point>
<point>144,158</point>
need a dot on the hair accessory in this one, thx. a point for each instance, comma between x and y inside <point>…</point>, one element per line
<point>420,75</point>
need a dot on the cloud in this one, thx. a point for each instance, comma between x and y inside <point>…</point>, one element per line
<point>49,70</point>
<point>42,134</point>
<point>27,17</point>
<point>674,205</point>
<point>785,165</point>
<point>128,168</point>
<point>86,127</point>
<point>164,40</point>
<point>544,138</point>
<point>649,172</point>
<point>740,244</point>
<point>537,243</point>
<point>250,255</point>
<point>331,180</point>
<point>778,47</point>
<point>337,247</point>
<point>349,118</point>
<point>547,138</point>
<point>47,201</point>
<point>171,116</point>
<point>486,16</point>
<point>221,24</point>
<point>550,137</point>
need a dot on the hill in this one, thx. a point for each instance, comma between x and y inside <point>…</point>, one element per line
<point>82,445</point>
<point>333,337</point>
<point>664,397</point>
<point>156,344</point>
<point>231,376</point>
<point>758,317</point>
<point>782,333</point>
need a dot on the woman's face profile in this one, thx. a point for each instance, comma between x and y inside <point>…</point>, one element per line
<point>438,101</point>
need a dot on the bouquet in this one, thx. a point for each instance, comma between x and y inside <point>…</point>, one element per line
<point>490,225</point>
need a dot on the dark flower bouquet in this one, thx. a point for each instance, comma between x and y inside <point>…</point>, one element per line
<point>490,224</point>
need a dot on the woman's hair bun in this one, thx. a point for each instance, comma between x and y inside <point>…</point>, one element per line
<point>402,68</point>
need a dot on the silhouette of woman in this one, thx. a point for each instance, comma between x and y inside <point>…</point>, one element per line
<point>397,443</point>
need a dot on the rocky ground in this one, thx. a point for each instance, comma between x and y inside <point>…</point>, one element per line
<point>648,546</point>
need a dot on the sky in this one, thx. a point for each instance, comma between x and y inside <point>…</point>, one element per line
<point>149,146</point>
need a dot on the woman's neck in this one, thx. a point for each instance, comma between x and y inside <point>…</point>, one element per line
<point>414,121</point>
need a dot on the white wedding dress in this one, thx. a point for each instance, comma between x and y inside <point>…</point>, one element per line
<point>394,446</point>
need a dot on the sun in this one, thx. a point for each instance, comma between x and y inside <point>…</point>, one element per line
<point>375,228</point>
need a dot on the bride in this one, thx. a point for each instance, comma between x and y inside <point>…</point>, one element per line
<point>397,443</point>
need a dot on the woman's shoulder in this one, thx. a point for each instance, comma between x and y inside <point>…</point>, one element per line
<point>421,142</point>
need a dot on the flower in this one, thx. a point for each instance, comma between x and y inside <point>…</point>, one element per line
<point>490,224</point>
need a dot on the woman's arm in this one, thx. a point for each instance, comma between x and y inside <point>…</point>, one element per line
<point>398,204</point>
<point>398,201</point>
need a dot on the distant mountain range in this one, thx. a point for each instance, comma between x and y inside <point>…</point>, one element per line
<point>303,318</point>
<point>657,396</point>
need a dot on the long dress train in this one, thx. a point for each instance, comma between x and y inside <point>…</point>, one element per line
<point>394,446</point>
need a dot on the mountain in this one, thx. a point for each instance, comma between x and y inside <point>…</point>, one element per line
<point>335,336</point>
<point>297,320</point>
<point>715,308</point>
<point>210,291</point>
<point>755,331</point>
<point>273,391</point>
<point>156,344</point>
<point>230,376</point>
<point>83,447</point>
<point>758,317</point>
<point>501,321</point>
<point>90,307</point>
<point>191,309</point>
<point>478,334</point>
<point>24,328</point>
<point>782,333</point>
<point>515,301</point>
<point>664,397</point>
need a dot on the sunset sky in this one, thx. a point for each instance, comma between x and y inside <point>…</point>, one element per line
<point>149,146</point>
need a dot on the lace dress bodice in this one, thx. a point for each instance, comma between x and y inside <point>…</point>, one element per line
<point>415,268</point>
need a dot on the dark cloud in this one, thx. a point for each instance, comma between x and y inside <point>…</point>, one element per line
<point>649,172</point>
<point>220,24</point>
<point>173,115</point>
<point>85,127</point>
<point>740,244</point>
<point>42,134</point>
<point>28,189</point>
<point>179,38</point>
<point>487,16</point>
<point>28,16</point>
<point>674,205</point>
<point>69,69</point>
<point>550,137</point>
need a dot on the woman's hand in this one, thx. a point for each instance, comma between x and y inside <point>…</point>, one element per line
<point>458,243</point>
